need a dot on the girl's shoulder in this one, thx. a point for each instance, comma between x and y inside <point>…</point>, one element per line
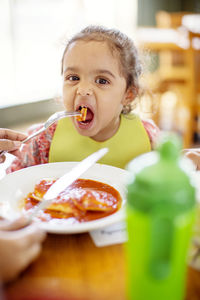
<point>152,130</point>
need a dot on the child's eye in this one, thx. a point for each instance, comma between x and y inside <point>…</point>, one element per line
<point>72,78</point>
<point>102,81</point>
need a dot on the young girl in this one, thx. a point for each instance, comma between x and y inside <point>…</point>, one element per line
<point>100,70</point>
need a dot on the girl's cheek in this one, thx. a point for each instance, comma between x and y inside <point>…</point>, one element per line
<point>67,103</point>
<point>68,99</point>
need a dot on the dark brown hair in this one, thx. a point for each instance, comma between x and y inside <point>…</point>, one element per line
<point>130,66</point>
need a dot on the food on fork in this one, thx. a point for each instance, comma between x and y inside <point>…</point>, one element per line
<point>84,200</point>
<point>83,111</point>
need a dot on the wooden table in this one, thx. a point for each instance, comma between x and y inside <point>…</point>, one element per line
<point>71,267</point>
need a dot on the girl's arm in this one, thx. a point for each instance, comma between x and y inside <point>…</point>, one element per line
<point>36,151</point>
<point>152,130</point>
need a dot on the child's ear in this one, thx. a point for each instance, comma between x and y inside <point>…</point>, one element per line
<point>130,95</point>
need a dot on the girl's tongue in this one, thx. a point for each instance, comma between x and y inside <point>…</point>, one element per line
<point>89,115</point>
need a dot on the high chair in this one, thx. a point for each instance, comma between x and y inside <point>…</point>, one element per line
<point>168,57</point>
<point>192,24</point>
<point>166,19</point>
<point>178,72</point>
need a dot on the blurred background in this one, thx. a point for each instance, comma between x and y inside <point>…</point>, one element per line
<point>33,34</point>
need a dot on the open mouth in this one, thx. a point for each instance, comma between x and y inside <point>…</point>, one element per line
<point>88,117</point>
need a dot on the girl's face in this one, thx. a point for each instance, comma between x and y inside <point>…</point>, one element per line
<point>91,78</point>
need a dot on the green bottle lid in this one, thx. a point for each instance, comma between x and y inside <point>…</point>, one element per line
<point>163,186</point>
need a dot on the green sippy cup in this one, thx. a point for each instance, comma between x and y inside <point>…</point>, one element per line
<point>160,214</point>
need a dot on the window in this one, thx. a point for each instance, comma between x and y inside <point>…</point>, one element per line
<point>32,34</point>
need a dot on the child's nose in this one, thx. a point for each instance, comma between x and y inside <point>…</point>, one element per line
<point>84,91</point>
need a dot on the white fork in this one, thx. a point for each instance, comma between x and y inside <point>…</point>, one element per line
<point>52,119</point>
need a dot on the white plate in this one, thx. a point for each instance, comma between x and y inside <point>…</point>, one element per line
<point>15,186</point>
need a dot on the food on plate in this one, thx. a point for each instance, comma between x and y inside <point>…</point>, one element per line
<point>84,200</point>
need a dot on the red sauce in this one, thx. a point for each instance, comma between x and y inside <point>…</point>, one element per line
<point>84,200</point>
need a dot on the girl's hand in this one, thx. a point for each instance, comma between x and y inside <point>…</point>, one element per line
<point>10,141</point>
<point>19,245</point>
<point>194,155</point>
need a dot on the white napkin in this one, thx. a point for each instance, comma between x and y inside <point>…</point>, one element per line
<point>110,235</point>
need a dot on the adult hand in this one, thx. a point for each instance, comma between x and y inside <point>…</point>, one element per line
<point>10,141</point>
<point>194,155</point>
<point>19,245</point>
